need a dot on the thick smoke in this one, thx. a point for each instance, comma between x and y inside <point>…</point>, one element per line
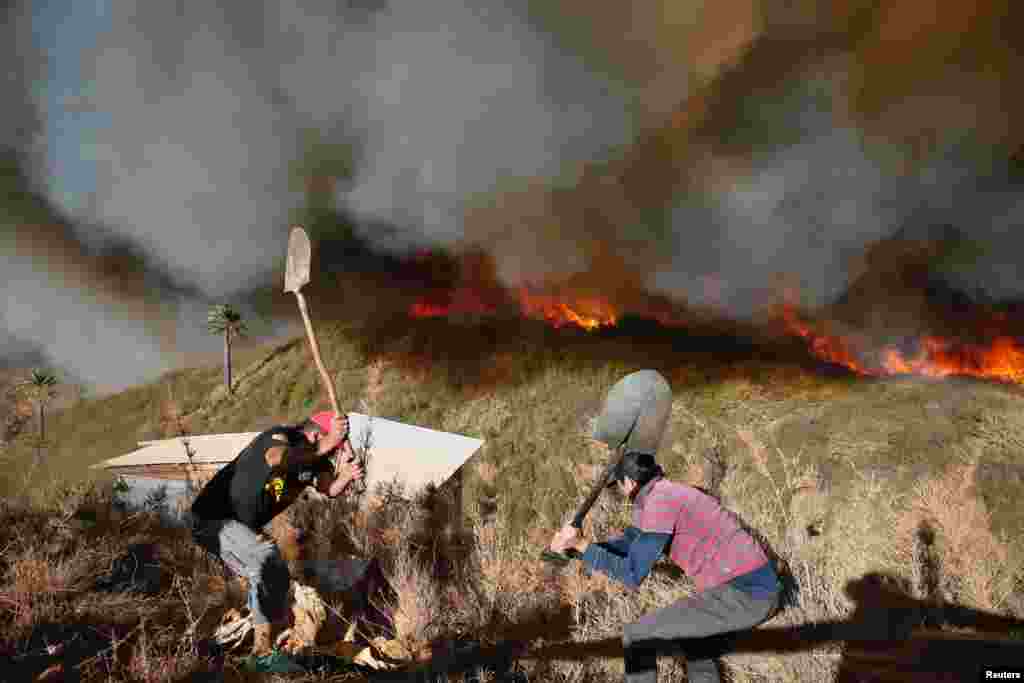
<point>821,145</point>
<point>780,173</point>
<point>22,66</point>
<point>665,147</point>
<point>101,341</point>
<point>444,100</point>
<point>208,112</point>
<point>804,214</point>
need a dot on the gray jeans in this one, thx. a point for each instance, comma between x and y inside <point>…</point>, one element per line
<point>254,556</point>
<point>718,610</point>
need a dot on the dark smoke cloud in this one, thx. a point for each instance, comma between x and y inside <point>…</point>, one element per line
<point>50,312</point>
<point>777,169</point>
<point>655,146</point>
<point>209,110</point>
<point>209,105</point>
<point>21,66</point>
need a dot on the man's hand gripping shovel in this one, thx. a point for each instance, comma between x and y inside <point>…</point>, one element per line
<point>562,559</point>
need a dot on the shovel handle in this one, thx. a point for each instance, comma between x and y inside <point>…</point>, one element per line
<point>311,335</point>
<point>551,556</point>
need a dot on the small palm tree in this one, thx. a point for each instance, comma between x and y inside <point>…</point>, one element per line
<point>225,320</point>
<point>39,389</point>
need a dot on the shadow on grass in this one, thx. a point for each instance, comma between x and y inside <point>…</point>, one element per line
<point>84,651</point>
<point>883,638</point>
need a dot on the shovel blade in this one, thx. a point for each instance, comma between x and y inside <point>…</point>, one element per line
<point>296,271</point>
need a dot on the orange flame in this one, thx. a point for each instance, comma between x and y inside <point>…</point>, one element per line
<point>1001,359</point>
<point>827,347</point>
<point>423,309</point>
<point>588,313</point>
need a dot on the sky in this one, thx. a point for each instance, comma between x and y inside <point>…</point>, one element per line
<point>63,29</point>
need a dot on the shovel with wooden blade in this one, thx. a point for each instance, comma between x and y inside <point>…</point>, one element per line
<point>296,274</point>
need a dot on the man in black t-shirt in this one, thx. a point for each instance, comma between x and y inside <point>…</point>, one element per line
<point>264,479</point>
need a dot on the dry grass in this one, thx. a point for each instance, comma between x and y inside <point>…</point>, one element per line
<point>794,453</point>
<point>976,566</point>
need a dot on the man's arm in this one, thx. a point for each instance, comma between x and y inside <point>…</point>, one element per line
<point>331,481</point>
<point>301,455</point>
<point>292,458</point>
<point>631,569</point>
<point>619,545</point>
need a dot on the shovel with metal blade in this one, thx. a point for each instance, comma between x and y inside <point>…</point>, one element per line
<point>296,275</point>
<point>633,418</point>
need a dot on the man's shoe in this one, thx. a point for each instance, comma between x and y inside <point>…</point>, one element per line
<point>276,662</point>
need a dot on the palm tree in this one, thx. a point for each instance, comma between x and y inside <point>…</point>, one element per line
<point>224,319</point>
<point>39,390</point>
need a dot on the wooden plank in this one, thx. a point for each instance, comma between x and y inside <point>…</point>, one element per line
<point>166,471</point>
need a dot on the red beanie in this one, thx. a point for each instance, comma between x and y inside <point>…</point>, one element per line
<point>323,420</point>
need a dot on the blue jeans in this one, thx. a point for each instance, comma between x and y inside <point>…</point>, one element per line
<point>254,556</point>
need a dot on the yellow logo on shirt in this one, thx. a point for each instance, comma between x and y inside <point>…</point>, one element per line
<point>276,488</point>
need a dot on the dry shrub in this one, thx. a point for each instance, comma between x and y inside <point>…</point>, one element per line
<point>153,667</point>
<point>974,562</point>
<point>758,451</point>
<point>413,602</point>
<point>30,584</point>
<point>859,540</point>
<point>493,555</point>
<point>32,574</point>
<point>775,497</point>
<point>417,604</point>
<point>486,414</point>
<point>172,419</point>
<point>287,538</point>
<point>374,385</point>
<point>695,474</point>
<point>487,472</point>
<point>33,582</point>
<point>505,568</point>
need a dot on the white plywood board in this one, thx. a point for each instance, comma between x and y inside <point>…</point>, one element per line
<point>409,454</point>
<point>412,455</point>
<point>208,448</point>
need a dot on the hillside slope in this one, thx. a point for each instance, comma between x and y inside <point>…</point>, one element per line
<point>530,391</point>
<point>844,477</point>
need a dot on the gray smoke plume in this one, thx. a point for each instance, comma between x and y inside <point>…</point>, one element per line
<point>208,105</point>
<point>208,112</point>
<point>810,210</point>
<point>472,123</point>
<point>100,341</point>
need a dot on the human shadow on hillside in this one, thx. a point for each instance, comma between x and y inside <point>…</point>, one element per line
<point>86,649</point>
<point>883,640</point>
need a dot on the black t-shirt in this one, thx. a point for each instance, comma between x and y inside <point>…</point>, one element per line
<point>249,490</point>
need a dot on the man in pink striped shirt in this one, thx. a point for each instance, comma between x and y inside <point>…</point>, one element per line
<point>737,587</point>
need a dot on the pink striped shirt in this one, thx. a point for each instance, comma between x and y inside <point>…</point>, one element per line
<point>708,542</point>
